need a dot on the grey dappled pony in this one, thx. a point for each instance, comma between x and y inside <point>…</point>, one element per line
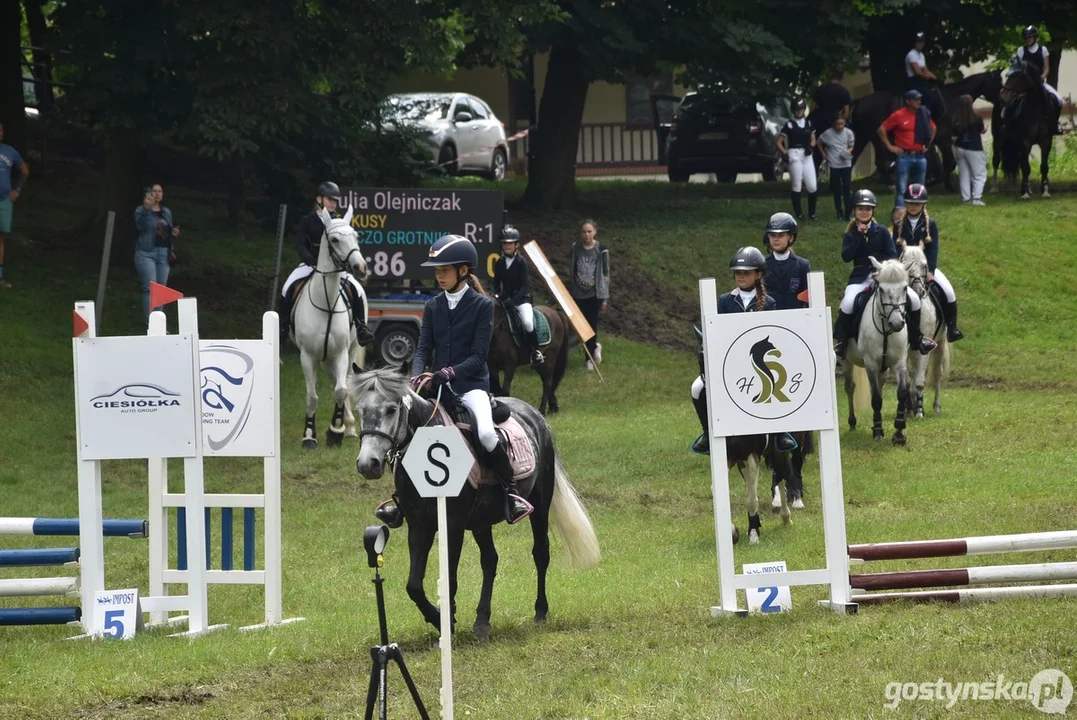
<point>935,366</point>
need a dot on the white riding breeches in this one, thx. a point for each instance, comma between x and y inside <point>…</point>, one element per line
<point>947,288</point>
<point>854,289</point>
<point>697,387</point>
<point>527,317</point>
<point>801,169</point>
<point>1050,90</point>
<point>305,271</point>
<point>478,402</point>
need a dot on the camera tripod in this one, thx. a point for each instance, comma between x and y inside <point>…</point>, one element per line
<point>380,655</point>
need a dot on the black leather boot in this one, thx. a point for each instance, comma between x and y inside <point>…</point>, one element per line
<point>917,340</point>
<point>703,445</point>
<point>798,210</point>
<point>516,508</point>
<point>841,333</point>
<point>389,512</point>
<point>362,331</point>
<point>537,358</point>
<point>813,198</point>
<point>949,313</point>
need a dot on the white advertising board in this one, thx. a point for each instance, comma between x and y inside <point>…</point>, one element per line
<point>238,398</point>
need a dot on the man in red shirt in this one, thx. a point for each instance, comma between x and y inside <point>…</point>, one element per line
<point>914,131</point>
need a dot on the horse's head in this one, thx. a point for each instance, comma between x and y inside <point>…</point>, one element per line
<point>891,288</point>
<point>1022,79</point>
<point>388,414</point>
<point>992,87</point>
<point>915,262</point>
<point>342,244</point>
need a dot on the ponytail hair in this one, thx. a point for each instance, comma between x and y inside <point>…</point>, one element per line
<point>760,293</point>
<point>474,282</point>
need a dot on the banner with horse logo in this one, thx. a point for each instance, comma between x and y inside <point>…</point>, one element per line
<point>774,372</point>
<point>238,395</point>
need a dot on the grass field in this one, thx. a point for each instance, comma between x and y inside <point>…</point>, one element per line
<point>633,638</point>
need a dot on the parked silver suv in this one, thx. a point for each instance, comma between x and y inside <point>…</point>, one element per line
<point>464,134</point>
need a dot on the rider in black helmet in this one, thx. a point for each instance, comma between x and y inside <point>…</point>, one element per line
<point>750,295</point>
<point>1036,55</point>
<point>918,77</point>
<point>311,230</point>
<point>511,285</point>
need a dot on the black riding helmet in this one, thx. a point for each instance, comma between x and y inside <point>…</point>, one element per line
<point>452,250</point>
<point>864,197</point>
<point>799,104</point>
<point>916,193</point>
<point>748,258</point>
<point>510,234</point>
<point>920,36</point>
<point>330,190</point>
<point>1030,32</point>
<point>781,222</point>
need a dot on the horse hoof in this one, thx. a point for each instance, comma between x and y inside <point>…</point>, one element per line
<point>482,630</point>
<point>798,504</point>
<point>753,537</point>
<point>1046,194</point>
<point>540,619</point>
<point>787,519</point>
<point>736,535</point>
<point>899,439</point>
<point>877,434</point>
<point>776,501</point>
<point>1026,196</point>
<point>310,444</point>
<point>919,414</point>
<point>852,424</point>
<point>334,439</point>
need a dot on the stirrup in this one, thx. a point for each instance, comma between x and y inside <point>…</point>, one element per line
<point>512,499</point>
<point>537,358</point>
<point>389,513</point>
<point>701,445</point>
<point>927,345</point>
<point>953,334</point>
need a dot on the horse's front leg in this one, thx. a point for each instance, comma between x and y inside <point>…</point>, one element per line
<point>938,366</point>
<point>1026,170</point>
<point>1045,161</point>
<point>919,382</point>
<point>751,497</point>
<point>783,474</point>
<point>456,531</point>
<point>419,543</point>
<point>547,390</point>
<point>334,436</point>
<point>310,372</point>
<point>902,373</point>
<point>506,386</point>
<point>357,355</point>
<point>484,538</point>
<point>876,380</point>
<point>850,388</point>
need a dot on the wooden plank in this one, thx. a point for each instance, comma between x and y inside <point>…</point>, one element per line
<point>559,291</point>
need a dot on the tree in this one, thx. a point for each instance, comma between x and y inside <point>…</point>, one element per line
<point>13,113</point>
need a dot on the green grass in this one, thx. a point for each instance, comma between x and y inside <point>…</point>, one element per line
<point>633,638</point>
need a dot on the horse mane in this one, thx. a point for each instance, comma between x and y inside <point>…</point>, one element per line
<point>892,272</point>
<point>384,380</point>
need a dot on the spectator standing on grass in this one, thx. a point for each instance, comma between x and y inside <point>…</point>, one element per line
<point>968,130</point>
<point>590,282</point>
<point>10,189</point>
<point>153,244</point>
<point>831,100</point>
<point>837,143</point>
<point>914,131</point>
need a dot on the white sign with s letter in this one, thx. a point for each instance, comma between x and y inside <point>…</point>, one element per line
<point>118,615</point>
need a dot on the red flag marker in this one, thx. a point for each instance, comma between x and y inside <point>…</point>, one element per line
<point>162,295</point>
<point>80,326</point>
<point>803,296</point>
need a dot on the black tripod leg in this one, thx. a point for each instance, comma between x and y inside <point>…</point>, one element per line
<point>395,654</point>
<point>376,664</point>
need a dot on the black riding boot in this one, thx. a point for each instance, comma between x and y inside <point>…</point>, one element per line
<point>703,445</point>
<point>537,358</point>
<point>813,198</point>
<point>1058,118</point>
<point>798,210</point>
<point>285,314</point>
<point>516,508</point>
<point>389,512</point>
<point>917,339</point>
<point>362,331</point>
<point>949,313</point>
<point>841,333</point>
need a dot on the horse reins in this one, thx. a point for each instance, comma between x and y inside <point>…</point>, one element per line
<point>392,457</point>
<point>330,309</point>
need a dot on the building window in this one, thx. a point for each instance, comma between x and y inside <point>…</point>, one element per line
<point>638,93</point>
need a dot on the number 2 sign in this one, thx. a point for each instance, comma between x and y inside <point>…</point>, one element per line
<point>767,599</point>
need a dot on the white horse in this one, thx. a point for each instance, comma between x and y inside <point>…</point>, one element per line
<point>323,329</point>
<point>881,343</point>
<point>937,364</point>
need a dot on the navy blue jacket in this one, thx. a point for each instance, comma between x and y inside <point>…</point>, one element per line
<point>309,238</point>
<point>730,303</point>
<point>458,338</point>
<point>920,236</point>
<point>857,247</point>
<point>786,279</point>
<point>512,284</point>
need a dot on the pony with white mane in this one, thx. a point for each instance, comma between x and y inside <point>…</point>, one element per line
<point>323,329</point>
<point>881,343</point>
<point>937,364</point>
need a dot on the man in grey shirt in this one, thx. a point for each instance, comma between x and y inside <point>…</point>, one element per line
<point>837,144</point>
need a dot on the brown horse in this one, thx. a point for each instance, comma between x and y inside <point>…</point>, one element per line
<point>1023,119</point>
<point>506,356</point>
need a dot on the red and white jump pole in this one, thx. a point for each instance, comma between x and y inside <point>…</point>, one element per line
<point>956,596</point>
<point>987,545</point>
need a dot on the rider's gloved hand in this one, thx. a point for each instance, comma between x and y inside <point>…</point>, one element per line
<point>416,381</point>
<point>443,376</point>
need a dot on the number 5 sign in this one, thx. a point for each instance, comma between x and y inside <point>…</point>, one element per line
<point>118,615</point>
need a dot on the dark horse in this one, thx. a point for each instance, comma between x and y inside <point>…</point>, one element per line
<point>389,414</point>
<point>747,452</point>
<point>506,356</point>
<point>869,112</point>
<point>1022,118</point>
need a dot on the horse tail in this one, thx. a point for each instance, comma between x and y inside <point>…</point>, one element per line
<point>1010,150</point>
<point>572,523</point>
<point>861,390</point>
<point>940,363</point>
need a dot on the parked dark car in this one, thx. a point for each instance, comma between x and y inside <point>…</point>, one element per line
<point>714,136</point>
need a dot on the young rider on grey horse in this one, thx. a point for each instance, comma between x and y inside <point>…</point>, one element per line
<point>512,286</point>
<point>311,230</point>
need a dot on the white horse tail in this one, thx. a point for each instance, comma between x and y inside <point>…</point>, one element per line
<point>861,390</point>
<point>571,522</point>
<point>940,363</point>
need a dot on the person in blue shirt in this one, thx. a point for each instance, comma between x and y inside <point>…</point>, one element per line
<point>916,228</point>
<point>10,189</point>
<point>750,295</point>
<point>865,239</point>
<point>454,341</point>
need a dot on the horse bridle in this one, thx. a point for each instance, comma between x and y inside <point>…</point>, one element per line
<point>397,448</point>
<point>341,266</point>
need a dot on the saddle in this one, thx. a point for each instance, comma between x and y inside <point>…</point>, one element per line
<point>512,435</point>
<point>542,326</point>
<point>859,304</point>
